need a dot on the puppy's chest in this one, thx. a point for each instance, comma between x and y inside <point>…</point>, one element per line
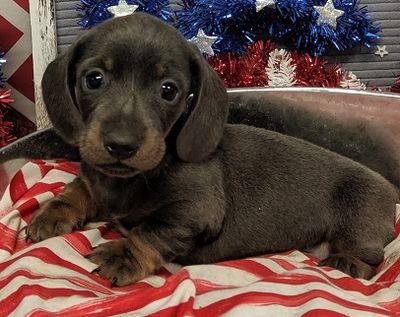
<point>121,199</point>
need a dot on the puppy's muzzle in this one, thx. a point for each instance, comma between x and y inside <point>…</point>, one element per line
<point>121,146</point>
<point>120,151</point>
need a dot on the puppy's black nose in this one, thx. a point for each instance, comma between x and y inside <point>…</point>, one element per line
<point>120,151</point>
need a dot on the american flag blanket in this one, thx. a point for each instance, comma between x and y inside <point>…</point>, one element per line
<point>54,278</point>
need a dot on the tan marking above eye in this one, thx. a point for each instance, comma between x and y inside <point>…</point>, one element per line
<point>161,70</point>
<point>109,63</point>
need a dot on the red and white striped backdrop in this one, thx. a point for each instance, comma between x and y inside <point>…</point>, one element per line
<point>15,41</point>
<point>53,277</point>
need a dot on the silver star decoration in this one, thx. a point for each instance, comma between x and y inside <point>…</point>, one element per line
<point>381,51</point>
<point>204,42</point>
<point>122,9</point>
<point>261,4</point>
<point>328,14</point>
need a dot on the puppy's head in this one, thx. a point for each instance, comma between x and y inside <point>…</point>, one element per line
<point>121,88</point>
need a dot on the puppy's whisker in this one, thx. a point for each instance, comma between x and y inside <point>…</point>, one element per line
<point>146,181</point>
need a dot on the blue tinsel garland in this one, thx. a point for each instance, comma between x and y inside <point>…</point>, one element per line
<point>354,27</point>
<point>229,20</point>
<point>237,24</point>
<point>93,12</point>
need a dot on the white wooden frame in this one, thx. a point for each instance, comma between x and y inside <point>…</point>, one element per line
<point>44,49</point>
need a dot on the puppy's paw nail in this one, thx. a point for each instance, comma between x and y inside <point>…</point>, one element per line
<point>96,270</point>
<point>90,254</point>
<point>23,229</point>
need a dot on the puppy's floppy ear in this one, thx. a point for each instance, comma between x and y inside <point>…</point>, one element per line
<point>59,97</point>
<point>203,129</point>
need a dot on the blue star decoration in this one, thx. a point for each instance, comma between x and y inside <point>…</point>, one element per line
<point>204,42</point>
<point>261,4</point>
<point>122,9</point>
<point>328,14</point>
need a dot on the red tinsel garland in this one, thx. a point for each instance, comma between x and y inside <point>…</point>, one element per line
<point>249,70</point>
<point>396,86</point>
<point>6,127</point>
<point>316,72</point>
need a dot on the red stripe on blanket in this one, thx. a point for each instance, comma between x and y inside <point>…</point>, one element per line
<point>122,303</point>
<point>44,168</point>
<point>69,167</point>
<point>391,274</point>
<point>111,234</point>
<point>94,287</point>
<point>46,255</point>
<point>249,266</point>
<point>204,286</point>
<point>284,264</point>
<point>265,299</point>
<point>19,273</point>
<point>8,238</point>
<point>183,309</point>
<point>62,165</point>
<point>40,188</point>
<point>79,242</point>
<point>27,209</point>
<point>346,283</point>
<point>290,278</point>
<point>322,312</point>
<point>80,282</point>
<point>393,306</point>
<point>17,187</point>
<point>37,290</point>
<point>108,233</point>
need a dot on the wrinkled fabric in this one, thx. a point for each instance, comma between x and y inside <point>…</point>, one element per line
<point>54,278</point>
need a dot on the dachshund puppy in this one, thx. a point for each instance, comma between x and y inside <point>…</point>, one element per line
<point>158,159</point>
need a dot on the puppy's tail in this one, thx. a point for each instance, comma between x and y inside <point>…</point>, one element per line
<point>355,140</point>
<point>43,144</point>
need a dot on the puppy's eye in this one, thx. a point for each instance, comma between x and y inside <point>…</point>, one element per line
<point>169,91</point>
<point>94,80</point>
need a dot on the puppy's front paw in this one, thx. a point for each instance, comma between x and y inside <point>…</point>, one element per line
<point>121,263</point>
<point>55,218</point>
<point>349,265</point>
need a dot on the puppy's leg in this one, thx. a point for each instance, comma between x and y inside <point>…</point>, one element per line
<point>158,240</point>
<point>125,261</point>
<point>364,208</point>
<point>357,249</point>
<point>141,253</point>
<point>348,263</point>
<point>62,214</point>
